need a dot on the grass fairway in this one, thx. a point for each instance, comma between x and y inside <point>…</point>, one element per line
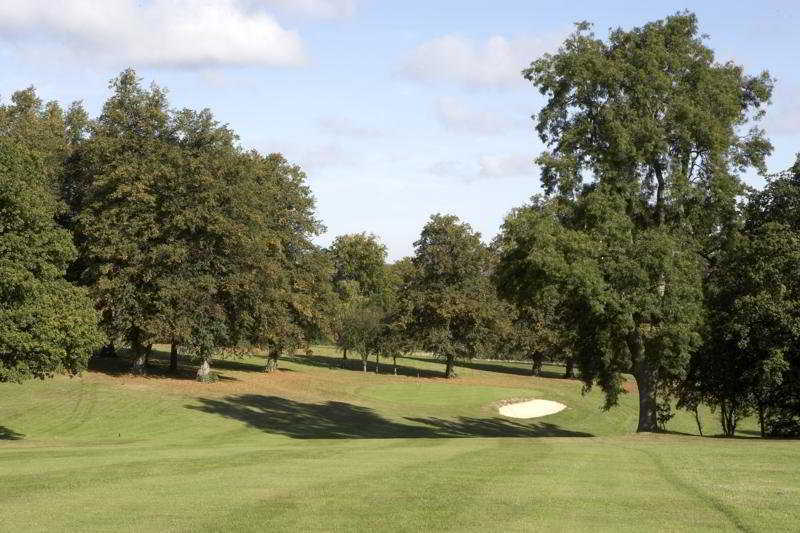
<point>314,447</point>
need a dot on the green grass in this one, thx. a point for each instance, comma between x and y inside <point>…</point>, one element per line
<point>318,447</point>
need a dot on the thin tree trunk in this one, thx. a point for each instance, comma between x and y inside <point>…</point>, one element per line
<point>204,372</point>
<point>147,355</point>
<point>569,368</point>
<point>344,354</point>
<point>173,357</point>
<point>697,420</point>
<point>364,363</point>
<point>536,367</point>
<point>450,371</point>
<point>394,364</point>
<point>761,418</point>
<point>139,361</point>
<point>728,418</point>
<point>272,362</point>
<point>377,363</point>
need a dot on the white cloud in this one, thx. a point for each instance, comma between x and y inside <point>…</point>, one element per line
<point>501,166</point>
<point>487,167</point>
<point>325,156</point>
<point>344,127</point>
<point>455,115</point>
<point>185,33</point>
<point>318,8</point>
<point>452,169</point>
<point>496,62</point>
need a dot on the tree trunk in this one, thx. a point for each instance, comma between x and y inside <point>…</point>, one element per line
<point>646,383</point>
<point>569,368</point>
<point>697,420</point>
<point>173,357</point>
<point>728,419</point>
<point>450,370</point>
<point>394,364</point>
<point>364,363</point>
<point>536,368</point>
<point>344,354</point>
<point>139,361</point>
<point>761,418</point>
<point>108,350</point>
<point>204,372</point>
<point>272,362</point>
<point>648,413</point>
<point>377,363</point>
<point>147,355</point>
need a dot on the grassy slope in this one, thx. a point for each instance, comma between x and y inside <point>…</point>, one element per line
<point>315,447</point>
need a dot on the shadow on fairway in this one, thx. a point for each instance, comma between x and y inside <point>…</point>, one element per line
<point>385,367</point>
<point>507,369</point>
<point>496,367</point>
<point>339,420</point>
<point>9,434</point>
<point>158,367</point>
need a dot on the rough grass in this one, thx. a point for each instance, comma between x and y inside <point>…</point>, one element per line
<point>319,447</point>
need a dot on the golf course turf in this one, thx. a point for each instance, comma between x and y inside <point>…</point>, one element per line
<point>319,447</point>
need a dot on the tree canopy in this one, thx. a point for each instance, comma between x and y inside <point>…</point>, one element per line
<point>645,135</point>
<point>451,294</point>
<point>47,325</point>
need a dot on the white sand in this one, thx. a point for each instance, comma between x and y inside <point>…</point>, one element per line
<point>531,409</point>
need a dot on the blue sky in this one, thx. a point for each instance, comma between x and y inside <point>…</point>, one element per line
<point>396,110</point>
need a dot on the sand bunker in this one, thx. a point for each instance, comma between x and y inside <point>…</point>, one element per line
<point>531,409</point>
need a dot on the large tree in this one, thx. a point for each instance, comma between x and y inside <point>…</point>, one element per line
<point>646,132</point>
<point>750,360</point>
<point>278,296</point>
<point>185,237</point>
<point>452,297</point>
<point>119,170</point>
<point>47,325</point>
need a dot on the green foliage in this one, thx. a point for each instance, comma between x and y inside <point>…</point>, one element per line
<point>657,124</point>
<point>538,328</point>
<point>750,361</point>
<point>185,237</point>
<point>453,301</point>
<point>359,258</point>
<point>360,281</point>
<point>47,325</point>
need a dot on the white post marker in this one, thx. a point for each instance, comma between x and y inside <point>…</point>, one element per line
<point>531,409</point>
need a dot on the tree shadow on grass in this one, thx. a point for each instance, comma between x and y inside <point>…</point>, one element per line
<point>497,367</point>
<point>9,434</point>
<point>158,366</point>
<point>339,420</point>
<point>385,367</point>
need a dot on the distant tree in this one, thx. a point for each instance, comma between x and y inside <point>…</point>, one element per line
<point>656,126</point>
<point>451,295</point>
<point>359,275</point>
<point>47,325</point>
<point>395,337</point>
<point>359,257</point>
<point>539,330</point>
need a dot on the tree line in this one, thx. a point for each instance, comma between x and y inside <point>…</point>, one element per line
<point>646,255</point>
